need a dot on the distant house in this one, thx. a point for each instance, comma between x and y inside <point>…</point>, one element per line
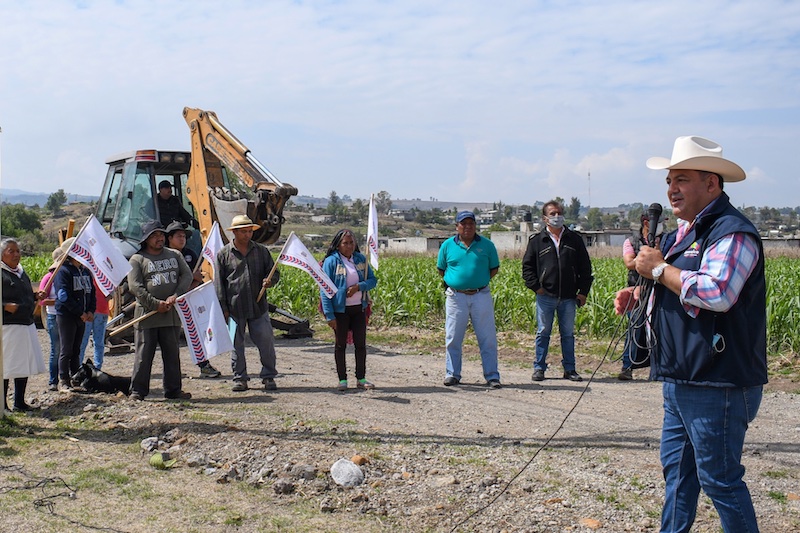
<point>415,244</point>
<point>322,219</point>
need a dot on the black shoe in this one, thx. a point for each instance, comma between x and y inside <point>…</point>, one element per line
<point>450,380</point>
<point>136,397</point>
<point>538,375</point>
<point>180,395</point>
<point>625,375</point>
<point>494,384</point>
<point>23,407</point>
<point>572,375</point>
<point>269,384</point>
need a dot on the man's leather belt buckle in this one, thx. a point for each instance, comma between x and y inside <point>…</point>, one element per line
<point>470,292</point>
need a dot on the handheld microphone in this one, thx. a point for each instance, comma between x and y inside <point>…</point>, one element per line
<point>653,215</point>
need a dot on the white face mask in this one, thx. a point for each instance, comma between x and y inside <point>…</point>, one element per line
<point>556,221</point>
<point>659,228</point>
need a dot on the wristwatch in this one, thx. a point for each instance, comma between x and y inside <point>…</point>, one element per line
<point>658,270</point>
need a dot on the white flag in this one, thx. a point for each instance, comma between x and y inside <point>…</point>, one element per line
<point>372,233</point>
<point>213,244</point>
<point>96,251</point>
<point>295,253</point>
<point>203,323</point>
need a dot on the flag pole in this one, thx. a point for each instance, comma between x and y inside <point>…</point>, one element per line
<point>132,323</point>
<point>274,267</point>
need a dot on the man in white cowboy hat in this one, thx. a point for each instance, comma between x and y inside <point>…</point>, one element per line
<point>158,276</point>
<point>240,271</point>
<point>708,343</point>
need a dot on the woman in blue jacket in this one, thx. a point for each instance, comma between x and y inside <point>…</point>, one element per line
<point>75,306</point>
<point>346,310</point>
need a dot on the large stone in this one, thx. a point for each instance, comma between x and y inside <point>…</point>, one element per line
<point>346,473</point>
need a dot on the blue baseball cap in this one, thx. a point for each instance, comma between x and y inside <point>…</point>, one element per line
<point>464,215</point>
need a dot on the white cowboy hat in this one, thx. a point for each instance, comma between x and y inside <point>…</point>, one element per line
<point>243,222</point>
<point>696,153</point>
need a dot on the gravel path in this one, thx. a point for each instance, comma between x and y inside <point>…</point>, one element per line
<point>433,454</point>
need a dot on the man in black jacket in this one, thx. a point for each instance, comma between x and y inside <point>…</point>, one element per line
<point>170,208</point>
<point>557,267</point>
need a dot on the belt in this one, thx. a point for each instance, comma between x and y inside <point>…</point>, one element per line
<point>470,292</point>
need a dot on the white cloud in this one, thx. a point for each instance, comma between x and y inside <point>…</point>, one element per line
<point>415,98</point>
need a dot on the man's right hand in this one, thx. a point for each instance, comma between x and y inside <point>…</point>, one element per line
<point>332,324</point>
<point>626,300</point>
<point>164,307</point>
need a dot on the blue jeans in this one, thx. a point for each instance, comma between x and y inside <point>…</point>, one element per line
<point>701,447</point>
<point>628,347</point>
<point>55,348</point>
<point>98,330</point>
<point>460,308</point>
<point>547,307</point>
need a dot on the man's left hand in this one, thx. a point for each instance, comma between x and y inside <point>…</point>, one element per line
<point>647,259</point>
<point>581,300</point>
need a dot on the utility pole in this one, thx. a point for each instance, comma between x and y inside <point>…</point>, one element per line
<point>589,178</point>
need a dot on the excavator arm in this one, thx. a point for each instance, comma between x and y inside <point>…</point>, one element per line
<point>216,153</point>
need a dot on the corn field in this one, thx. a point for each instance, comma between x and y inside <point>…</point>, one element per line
<point>410,293</point>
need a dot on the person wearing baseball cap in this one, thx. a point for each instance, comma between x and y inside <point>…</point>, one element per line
<point>170,207</point>
<point>467,262</point>
<point>708,331</point>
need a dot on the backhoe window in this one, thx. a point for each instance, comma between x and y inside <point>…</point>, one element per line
<point>136,204</point>
<point>107,205</point>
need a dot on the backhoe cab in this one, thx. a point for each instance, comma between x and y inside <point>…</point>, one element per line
<point>216,181</point>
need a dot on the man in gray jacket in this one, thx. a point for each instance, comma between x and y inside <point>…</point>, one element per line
<point>158,276</point>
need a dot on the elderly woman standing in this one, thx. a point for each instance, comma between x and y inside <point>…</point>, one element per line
<point>346,311</point>
<point>22,355</point>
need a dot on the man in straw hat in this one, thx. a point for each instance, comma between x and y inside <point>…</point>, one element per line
<point>241,270</point>
<point>158,276</point>
<point>709,336</point>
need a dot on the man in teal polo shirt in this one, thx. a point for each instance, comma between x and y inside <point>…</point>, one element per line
<point>467,262</point>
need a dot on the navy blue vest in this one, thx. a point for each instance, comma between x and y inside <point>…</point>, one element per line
<point>714,349</point>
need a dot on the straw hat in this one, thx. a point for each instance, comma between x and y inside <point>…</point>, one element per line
<point>57,254</point>
<point>697,153</point>
<point>243,222</point>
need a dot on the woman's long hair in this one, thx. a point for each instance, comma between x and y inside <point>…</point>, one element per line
<point>337,240</point>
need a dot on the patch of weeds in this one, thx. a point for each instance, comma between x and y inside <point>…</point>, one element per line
<point>607,498</point>
<point>776,474</point>
<point>8,451</point>
<point>235,520</point>
<point>51,465</point>
<point>98,479</point>
<point>139,490</point>
<point>605,459</point>
<point>778,496</point>
<point>637,483</point>
<point>202,416</point>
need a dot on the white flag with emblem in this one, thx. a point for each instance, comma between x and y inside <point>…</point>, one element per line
<point>213,244</point>
<point>96,251</point>
<point>295,253</point>
<point>203,323</point>
<point>372,233</point>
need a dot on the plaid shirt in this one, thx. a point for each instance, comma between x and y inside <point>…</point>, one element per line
<point>724,268</point>
<point>238,279</point>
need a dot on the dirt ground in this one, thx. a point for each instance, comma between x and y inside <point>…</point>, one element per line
<point>545,456</point>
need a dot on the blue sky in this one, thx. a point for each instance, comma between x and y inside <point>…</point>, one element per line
<point>463,100</point>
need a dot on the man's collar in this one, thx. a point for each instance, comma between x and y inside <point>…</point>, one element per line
<point>476,238</point>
